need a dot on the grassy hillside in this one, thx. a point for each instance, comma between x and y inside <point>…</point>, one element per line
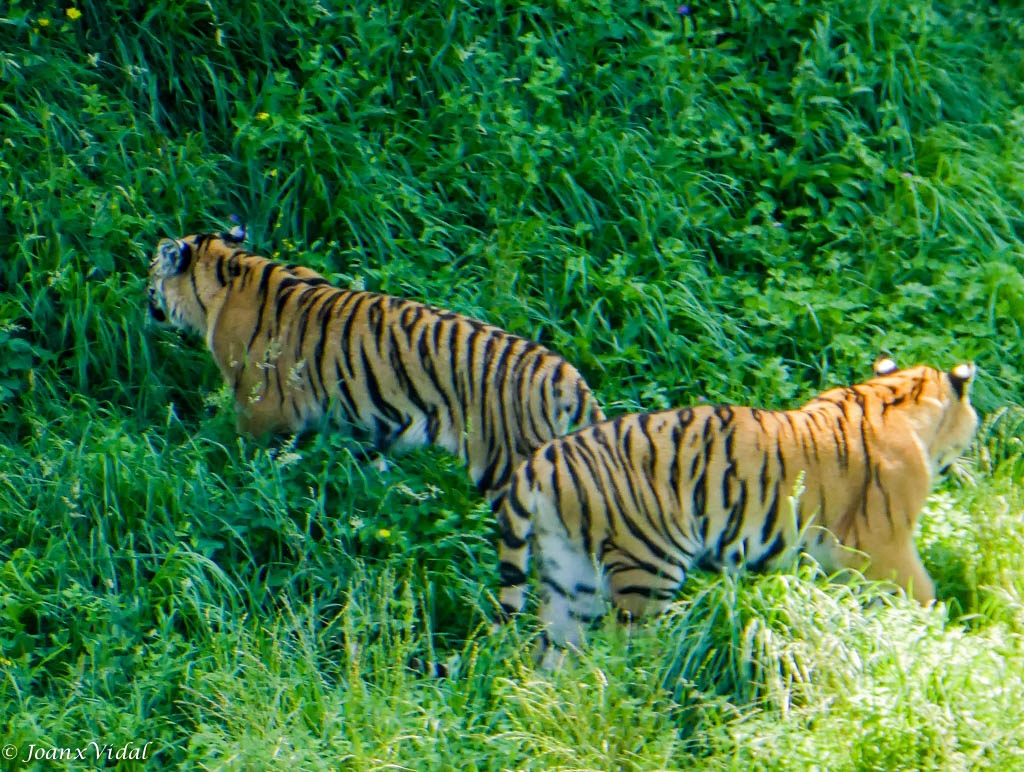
<point>739,201</point>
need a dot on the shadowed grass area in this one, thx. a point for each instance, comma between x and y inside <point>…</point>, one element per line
<point>735,201</point>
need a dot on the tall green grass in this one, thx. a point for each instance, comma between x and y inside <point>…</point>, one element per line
<point>746,202</point>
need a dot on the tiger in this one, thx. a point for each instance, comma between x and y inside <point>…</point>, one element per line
<point>298,353</point>
<point>628,506</point>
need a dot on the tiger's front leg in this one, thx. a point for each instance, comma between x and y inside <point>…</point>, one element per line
<point>255,419</point>
<point>885,559</point>
<point>900,563</point>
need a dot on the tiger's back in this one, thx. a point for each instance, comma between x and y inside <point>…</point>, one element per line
<point>629,506</point>
<point>300,353</point>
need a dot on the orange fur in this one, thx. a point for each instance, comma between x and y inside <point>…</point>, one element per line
<point>630,505</point>
<point>300,353</point>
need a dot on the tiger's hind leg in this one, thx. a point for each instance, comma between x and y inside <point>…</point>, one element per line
<point>371,458</point>
<point>572,595</point>
<point>635,591</point>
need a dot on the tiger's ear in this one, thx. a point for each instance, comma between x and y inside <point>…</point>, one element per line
<point>171,258</point>
<point>884,366</point>
<point>960,378</point>
<point>237,233</point>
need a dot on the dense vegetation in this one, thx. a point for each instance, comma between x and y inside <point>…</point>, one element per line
<point>739,200</point>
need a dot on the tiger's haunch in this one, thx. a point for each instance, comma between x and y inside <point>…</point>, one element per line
<point>300,353</point>
<point>628,506</point>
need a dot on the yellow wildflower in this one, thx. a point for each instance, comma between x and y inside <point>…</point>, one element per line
<point>383,533</point>
<point>73,13</point>
<point>43,22</point>
<point>262,116</point>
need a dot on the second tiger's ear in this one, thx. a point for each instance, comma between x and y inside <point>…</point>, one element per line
<point>171,257</point>
<point>960,377</point>
<point>884,366</point>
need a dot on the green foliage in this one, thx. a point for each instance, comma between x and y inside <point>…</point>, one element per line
<point>745,203</point>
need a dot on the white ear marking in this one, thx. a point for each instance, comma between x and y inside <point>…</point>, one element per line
<point>884,366</point>
<point>963,371</point>
<point>236,235</point>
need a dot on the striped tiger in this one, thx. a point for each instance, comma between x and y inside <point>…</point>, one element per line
<point>628,506</point>
<point>299,353</point>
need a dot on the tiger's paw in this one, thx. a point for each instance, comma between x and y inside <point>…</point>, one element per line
<point>380,464</point>
<point>428,669</point>
<point>553,659</point>
<point>503,617</point>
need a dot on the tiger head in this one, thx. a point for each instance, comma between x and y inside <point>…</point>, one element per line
<point>935,403</point>
<point>183,277</point>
